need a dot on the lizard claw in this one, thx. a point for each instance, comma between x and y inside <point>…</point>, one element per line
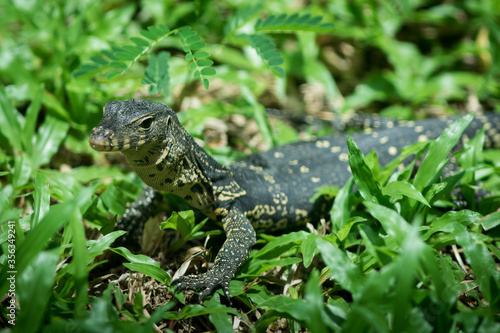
<point>205,282</point>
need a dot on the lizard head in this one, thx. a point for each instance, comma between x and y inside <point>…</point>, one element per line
<point>132,123</point>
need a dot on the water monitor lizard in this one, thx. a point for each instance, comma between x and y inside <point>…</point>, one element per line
<point>265,191</point>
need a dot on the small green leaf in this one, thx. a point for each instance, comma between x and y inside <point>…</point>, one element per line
<point>117,65</point>
<point>135,50</point>
<point>139,41</point>
<point>201,54</point>
<point>122,55</point>
<point>155,30</point>
<point>208,71</point>
<point>197,46</point>
<point>112,75</point>
<point>148,35</point>
<point>206,63</point>
<point>193,39</point>
<point>99,60</point>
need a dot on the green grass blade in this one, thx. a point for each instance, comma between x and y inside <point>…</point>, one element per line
<point>31,118</point>
<point>485,269</point>
<point>34,287</point>
<point>80,260</point>
<point>11,122</point>
<point>36,240</point>
<point>438,152</point>
<point>41,198</point>
<point>50,135</point>
<point>341,212</point>
<point>369,188</point>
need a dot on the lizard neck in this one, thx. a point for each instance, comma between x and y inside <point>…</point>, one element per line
<point>178,165</point>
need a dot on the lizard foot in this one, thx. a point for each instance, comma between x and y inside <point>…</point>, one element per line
<point>206,282</point>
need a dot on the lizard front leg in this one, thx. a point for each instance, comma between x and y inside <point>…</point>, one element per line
<point>235,250</point>
<point>135,217</point>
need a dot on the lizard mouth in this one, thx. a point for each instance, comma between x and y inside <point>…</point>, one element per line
<point>104,140</point>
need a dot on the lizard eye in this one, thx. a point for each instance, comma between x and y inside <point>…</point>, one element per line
<point>146,123</point>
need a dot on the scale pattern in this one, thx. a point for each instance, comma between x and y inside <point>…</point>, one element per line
<point>268,191</point>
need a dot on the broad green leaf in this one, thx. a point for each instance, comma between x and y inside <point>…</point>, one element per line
<point>342,269</point>
<point>346,228</point>
<point>399,188</point>
<point>23,167</point>
<point>317,319</point>
<point>257,266</point>
<point>309,248</point>
<point>287,305</point>
<point>153,271</point>
<point>490,221</point>
<point>135,258</point>
<point>291,238</point>
<point>97,247</point>
<point>194,310</point>
<point>485,269</point>
<point>222,321</point>
<point>394,224</point>
<point>449,221</point>
<point>181,221</point>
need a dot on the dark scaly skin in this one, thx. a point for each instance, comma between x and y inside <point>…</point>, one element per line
<point>267,191</point>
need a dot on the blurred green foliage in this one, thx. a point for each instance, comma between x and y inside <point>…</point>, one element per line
<point>392,261</point>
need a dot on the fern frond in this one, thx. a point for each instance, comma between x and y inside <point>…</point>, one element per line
<point>294,22</point>
<point>192,46</point>
<point>157,75</point>
<point>120,59</point>
<point>266,49</point>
